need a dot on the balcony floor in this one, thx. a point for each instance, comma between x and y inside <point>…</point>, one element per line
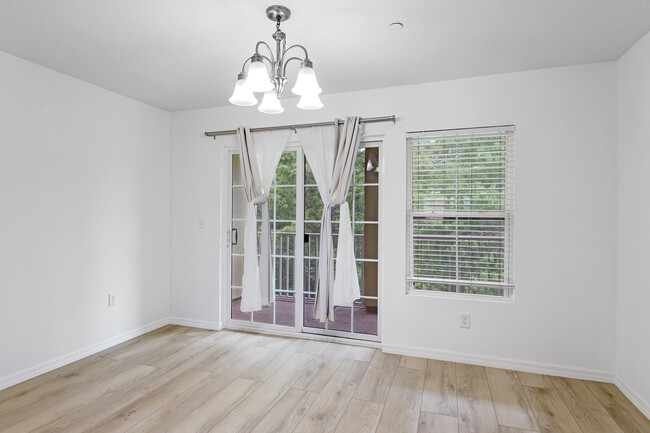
<point>365,322</point>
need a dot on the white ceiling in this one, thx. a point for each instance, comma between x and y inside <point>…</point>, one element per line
<point>183,54</point>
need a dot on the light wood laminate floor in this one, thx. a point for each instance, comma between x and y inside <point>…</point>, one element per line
<point>179,379</point>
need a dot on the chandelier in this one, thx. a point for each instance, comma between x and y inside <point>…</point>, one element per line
<point>258,78</point>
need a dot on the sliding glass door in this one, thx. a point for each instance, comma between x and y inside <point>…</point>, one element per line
<point>295,209</point>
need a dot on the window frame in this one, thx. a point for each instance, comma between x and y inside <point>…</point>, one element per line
<point>507,215</point>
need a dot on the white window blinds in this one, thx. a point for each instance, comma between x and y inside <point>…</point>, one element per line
<point>461,211</point>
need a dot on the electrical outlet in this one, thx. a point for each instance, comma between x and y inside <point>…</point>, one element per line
<point>111,300</point>
<point>464,320</point>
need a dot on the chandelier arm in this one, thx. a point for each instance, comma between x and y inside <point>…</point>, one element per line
<point>297,46</point>
<point>257,50</point>
<point>284,67</point>
<point>243,67</point>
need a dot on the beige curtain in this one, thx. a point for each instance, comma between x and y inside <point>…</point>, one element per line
<point>333,167</point>
<point>260,154</point>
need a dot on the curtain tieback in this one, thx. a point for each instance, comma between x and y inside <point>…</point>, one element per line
<point>260,199</point>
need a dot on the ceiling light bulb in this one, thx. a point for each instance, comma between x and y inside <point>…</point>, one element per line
<point>258,76</point>
<point>270,104</point>
<point>306,83</point>
<point>242,95</point>
<point>310,102</point>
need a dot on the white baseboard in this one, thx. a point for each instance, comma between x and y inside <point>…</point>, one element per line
<point>203,324</point>
<point>37,370</point>
<point>508,364</point>
<point>634,397</point>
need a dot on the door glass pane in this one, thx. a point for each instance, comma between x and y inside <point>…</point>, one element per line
<point>239,203</point>
<point>237,270</point>
<point>342,319</point>
<point>365,203</point>
<point>366,241</point>
<point>365,309</point>
<point>365,316</point>
<point>308,312</point>
<point>235,310</point>
<point>366,169</point>
<point>286,172</point>
<point>284,200</point>
<point>282,212</point>
<point>237,178</point>
<point>313,204</point>
<point>282,206</point>
<point>285,309</point>
<point>237,237</point>
<point>265,315</point>
<point>363,199</point>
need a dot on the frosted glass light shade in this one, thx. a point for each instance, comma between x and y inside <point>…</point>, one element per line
<point>258,77</point>
<point>310,102</point>
<point>270,104</point>
<point>242,95</point>
<point>306,83</point>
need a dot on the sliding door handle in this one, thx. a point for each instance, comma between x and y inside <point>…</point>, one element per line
<point>235,236</point>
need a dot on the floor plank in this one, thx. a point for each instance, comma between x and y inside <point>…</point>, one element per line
<point>584,406</point>
<point>412,362</point>
<point>265,367</point>
<point>174,412</point>
<point>320,372</point>
<point>510,403</point>
<point>470,370</point>
<point>49,386</point>
<point>436,423</point>
<point>550,411</point>
<point>210,413</point>
<point>401,412</point>
<point>156,385</point>
<point>535,380</point>
<point>361,353</point>
<point>439,394</point>
<point>249,412</point>
<point>504,429</point>
<point>327,410</point>
<point>287,413</point>
<point>360,417</point>
<point>622,411</point>
<point>475,408</point>
<point>376,382</point>
<point>62,407</point>
<point>136,411</point>
<point>311,346</point>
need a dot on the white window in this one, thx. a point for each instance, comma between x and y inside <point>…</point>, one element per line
<point>461,211</point>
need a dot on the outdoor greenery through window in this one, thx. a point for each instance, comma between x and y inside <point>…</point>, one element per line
<point>461,211</point>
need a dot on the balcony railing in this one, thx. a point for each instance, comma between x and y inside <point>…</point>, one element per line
<point>284,252</point>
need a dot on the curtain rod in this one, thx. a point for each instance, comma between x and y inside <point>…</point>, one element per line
<point>214,134</point>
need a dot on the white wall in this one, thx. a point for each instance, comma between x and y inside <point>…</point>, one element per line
<point>633,338</point>
<point>84,211</point>
<point>564,309</point>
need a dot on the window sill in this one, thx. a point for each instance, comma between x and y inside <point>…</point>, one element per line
<point>462,296</point>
